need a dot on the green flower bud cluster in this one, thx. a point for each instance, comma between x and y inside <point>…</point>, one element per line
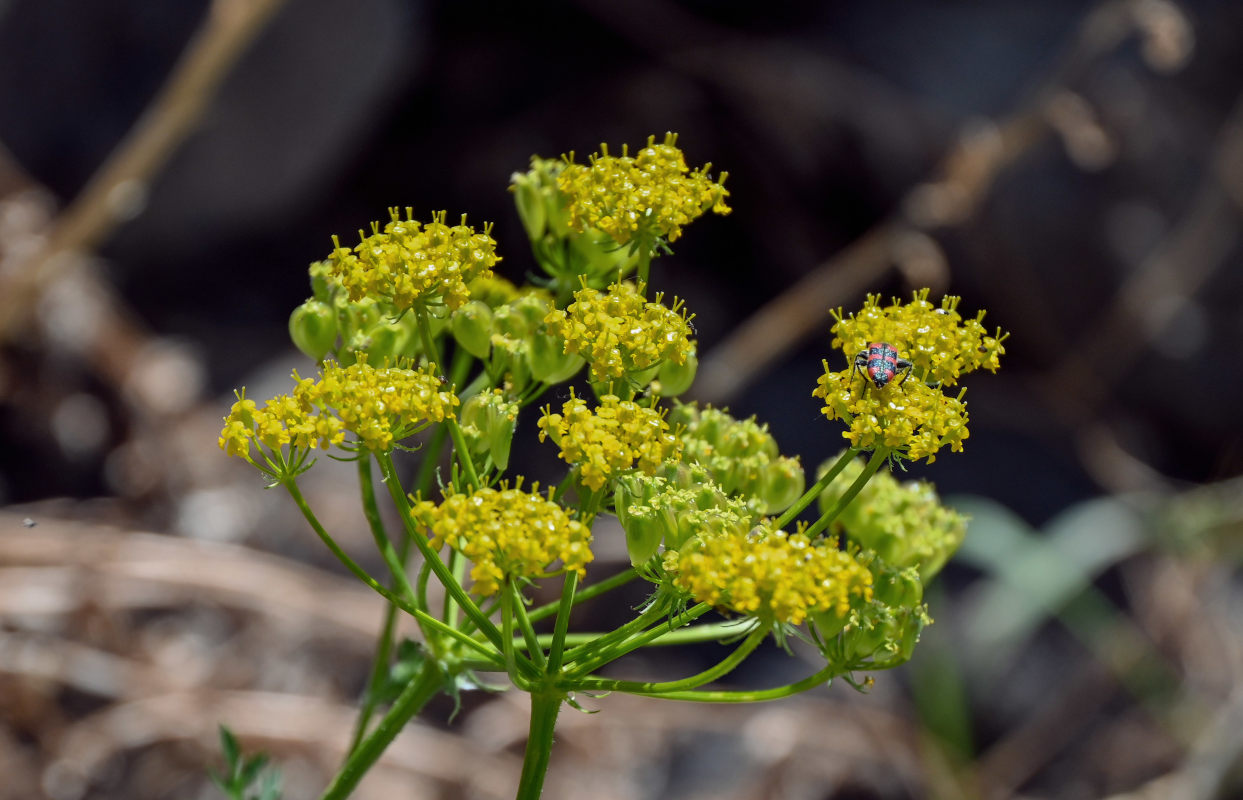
<point>330,324</point>
<point>903,523</point>
<point>879,632</point>
<point>740,455</point>
<point>562,252</point>
<point>488,423</point>
<point>514,341</point>
<point>669,509</point>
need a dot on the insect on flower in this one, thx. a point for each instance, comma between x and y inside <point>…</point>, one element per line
<point>880,363</point>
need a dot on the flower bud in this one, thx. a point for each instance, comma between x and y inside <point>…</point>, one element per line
<point>489,419</point>
<point>548,360</point>
<point>472,328</point>
<point>530,202</point>
<point>386,341</point>
<point>898,589</point>
<point>322,285</point>
<point>677,378</point>
<point>781,483</point>
<point>313,328</point>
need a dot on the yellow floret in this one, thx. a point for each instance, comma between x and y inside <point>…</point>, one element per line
<point>507,533</point>
<point>654,189</point>
<point>408,263</point>
<point>616,436</point>
<point>620,333</point>
<point>775,576</point>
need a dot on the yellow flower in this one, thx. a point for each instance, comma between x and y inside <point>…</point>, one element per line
<point>912,417</point>
<point>936,339</point>
<point>616,436</point>
<point>620,333</point>
<point>380,405</point>
<point>775,576</point>
<point>283,421</point>
<point>408,263</point>
<point>507,533</point>
<point>654,189</point>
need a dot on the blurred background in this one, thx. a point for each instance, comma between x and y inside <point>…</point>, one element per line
<point>168,170</point>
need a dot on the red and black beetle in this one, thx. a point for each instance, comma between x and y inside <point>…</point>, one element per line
<point>880,363</point>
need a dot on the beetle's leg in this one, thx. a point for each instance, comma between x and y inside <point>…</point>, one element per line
<point>905,367</point>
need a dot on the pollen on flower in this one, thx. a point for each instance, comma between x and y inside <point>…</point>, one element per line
<point>616,436</point>
<point>775,576</point>
<point>620,333</point>
<point>621,194</point>
<point>408,263</point>
<point>507,533</point>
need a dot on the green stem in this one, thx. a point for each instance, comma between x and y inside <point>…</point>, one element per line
<point>643,274</point>
<point>557,649</point>
<point>408,703</point>
<point>874,463</point>
<point>384,643</point>
<point>463,453</point>
<point>726,665</point>
<point>814,492</point>
<point>710,632</point>
<point>433,558</point>
<point>641,640</point>
<point>699,696</point>
<point>545,706</point>
<point>396,565</point>
<point>654,612</point>
<point>528,632</point>
<point>292,487</point>
<point>594,590</point>
<point>430,351</point>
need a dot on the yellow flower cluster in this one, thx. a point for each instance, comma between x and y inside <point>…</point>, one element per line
<point>905,524</point>
<point>776,576</point>
<point>616,436</point>
<point>408,263</point>
<point>620,333</point>
<point>936,339</point>
<point>622,195</point>
<point>912,417</point>
<point>283,421</point>
<point>378,404</point>
<point>507,533</point>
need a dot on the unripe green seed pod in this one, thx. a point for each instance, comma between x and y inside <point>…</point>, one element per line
<point>472,328</point>
<point>531,204</point>
<point>548,360</point>
<point>898,588</point>
<point>386,341</point>
<point>677,378</point>
<point>781,483</point>
<point>313,328</point>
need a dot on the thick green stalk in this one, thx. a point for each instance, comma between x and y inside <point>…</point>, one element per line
<point>874,463</point>
<point>408,703</point>
<point>545,705</point>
